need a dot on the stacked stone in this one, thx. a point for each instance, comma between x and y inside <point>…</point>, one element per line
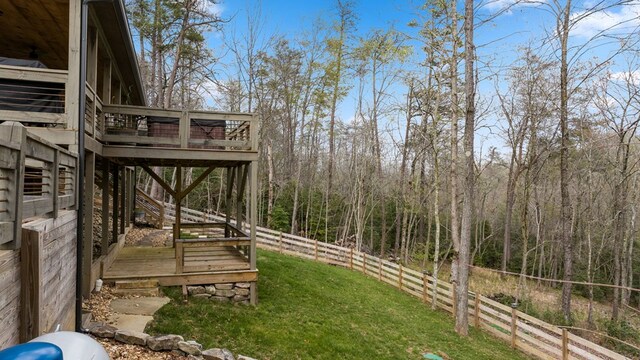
<point>172,343</point>
<point>235,292</point>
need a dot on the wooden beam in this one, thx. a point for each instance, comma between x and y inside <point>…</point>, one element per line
<point>87,254</point>
<point>72,88</point>
<point>31,293</point>
<point>123,198</point>
<point>121,151</point>
<point>229,197</point>
<point>15,136</point>
<point>159,180</point>
<point>253,217</point>
<point>197,182</point>
<point>116,206</point>
<point>243,172</point>
<point>177,228</point>
<point>105,206</point>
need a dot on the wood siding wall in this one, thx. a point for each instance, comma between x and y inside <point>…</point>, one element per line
<point>52,280</point>
<point>9,297</point>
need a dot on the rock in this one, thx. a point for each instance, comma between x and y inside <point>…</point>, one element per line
<point>194,357</point>
<point>225,293</point>
<point>195,290</point>
<point>224,286</point>
<point>243,285</point>
<point>242,357</point>
<point>242,292</point>
<point>210,289</point>
<point>131,337</point>
<point>103,331</point>
<point>220,298</point>
<point>164,342</point>
<point>204,296</point>
<point>217,354</point>
<point>239,298</point>
<point>190,347</point>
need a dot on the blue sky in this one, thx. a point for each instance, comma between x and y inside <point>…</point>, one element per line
<point>501,37</point>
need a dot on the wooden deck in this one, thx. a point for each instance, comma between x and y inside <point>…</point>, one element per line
<point>202,265</point>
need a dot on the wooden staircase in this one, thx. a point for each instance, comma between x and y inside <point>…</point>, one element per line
<point>145,287</point>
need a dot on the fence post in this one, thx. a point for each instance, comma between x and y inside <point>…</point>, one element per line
<point>476,311</point>
<point>379,269</point>
<point>425,287</point>
<point>351,258</point>
<point>364,263</point>
<point>316,249</point>
<point>565,344</point>
<point>400,277</point>
<point>179,257</point>
<point>514,335</point>
<point>280,243</point>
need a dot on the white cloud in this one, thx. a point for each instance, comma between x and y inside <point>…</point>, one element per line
<point>626,16</point>
<point>497,5</point>
<point>633,77</point>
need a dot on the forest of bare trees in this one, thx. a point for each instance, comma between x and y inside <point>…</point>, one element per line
<point>553,195</point>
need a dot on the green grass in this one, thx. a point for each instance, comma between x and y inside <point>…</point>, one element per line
<point>309,310</point>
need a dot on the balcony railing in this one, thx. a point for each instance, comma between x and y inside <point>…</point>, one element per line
<point>32,95</point>
<point>135,125</point>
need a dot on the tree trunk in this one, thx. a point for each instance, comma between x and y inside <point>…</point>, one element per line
<point>462,285</point>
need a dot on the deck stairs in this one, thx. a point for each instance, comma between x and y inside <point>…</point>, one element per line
<point>143,287</point>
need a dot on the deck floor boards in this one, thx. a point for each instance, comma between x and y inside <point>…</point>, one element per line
<point>200,263</point>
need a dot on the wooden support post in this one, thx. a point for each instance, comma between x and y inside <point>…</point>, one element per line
<point>379,269</point>
<point>364,263</point>
<point>115,208</point>
<point>243,172</point>
<point>55,186</point>
<point>400,276</point>
<point>315,249</point>
<point>280,242</point>
<point>87,254</point>
<point>229,198</point>
<point>14,132</point>
<point>253,218</point>
<point>105,206</point>
<point>179,257</point>
<point>184,129</point>
<point>72,87</point>
<point>351,258</point>
<point>123,198</point>
<point>177,227</point>
<point>565,344</point>
<point>31,291</point>
<point>476,311</point>
<point>514,328</point>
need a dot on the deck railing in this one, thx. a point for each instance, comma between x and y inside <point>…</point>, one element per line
<point>126,125</point>
<point>42,174</point>
<point>153,209</point>
<point>32,95</point>
<point>522,331</point>
<point>207,234</point>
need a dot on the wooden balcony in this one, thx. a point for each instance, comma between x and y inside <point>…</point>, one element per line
<point>169,137</point>
<point>35,96</point>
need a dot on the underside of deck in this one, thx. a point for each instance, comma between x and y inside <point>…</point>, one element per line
<point>202,265</point>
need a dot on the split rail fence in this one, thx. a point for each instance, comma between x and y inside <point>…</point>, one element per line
<point>522,331</point>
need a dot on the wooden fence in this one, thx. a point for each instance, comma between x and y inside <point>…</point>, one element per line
<point>522,331</point>
<point>35,171</point>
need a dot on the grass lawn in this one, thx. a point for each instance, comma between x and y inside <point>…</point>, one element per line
<point>309,310</point>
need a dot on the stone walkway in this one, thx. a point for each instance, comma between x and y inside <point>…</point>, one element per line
<point>135,313</point>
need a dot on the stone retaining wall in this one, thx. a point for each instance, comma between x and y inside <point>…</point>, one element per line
<point>169,343</point>
<point>234,292</point>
